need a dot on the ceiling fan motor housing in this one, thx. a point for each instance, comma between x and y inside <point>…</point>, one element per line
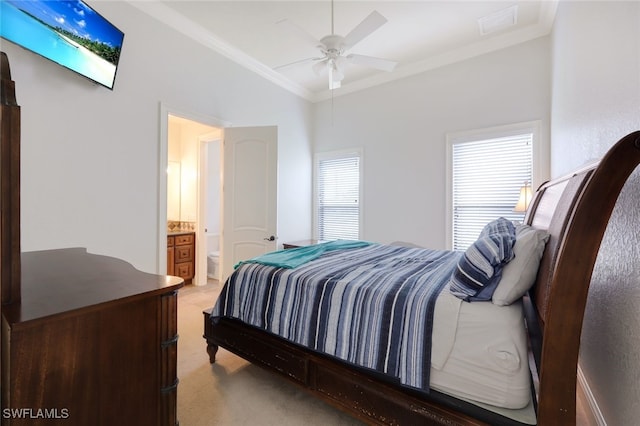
<point>332,45</point>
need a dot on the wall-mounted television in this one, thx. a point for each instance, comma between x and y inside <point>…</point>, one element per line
<point>68,32</point>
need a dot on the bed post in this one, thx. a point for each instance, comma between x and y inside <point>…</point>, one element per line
<point>212,348</point>
<point>9,187</point>
<point>570,282</point>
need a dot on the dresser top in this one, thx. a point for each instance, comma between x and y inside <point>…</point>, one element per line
<point>66,281</point>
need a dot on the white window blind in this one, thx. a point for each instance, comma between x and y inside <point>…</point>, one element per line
<point>486,181</point>
<point>337,196</point>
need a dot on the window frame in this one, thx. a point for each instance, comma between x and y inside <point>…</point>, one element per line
<point>334,155</point>
<point>539,167</point>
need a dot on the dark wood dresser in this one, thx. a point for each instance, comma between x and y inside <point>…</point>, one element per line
<point>93,341</point>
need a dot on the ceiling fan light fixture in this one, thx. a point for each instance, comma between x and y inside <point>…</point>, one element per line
<point>336,73</point>
<point>333,84</point>
<point>335,76</point>
<point>319,66</point>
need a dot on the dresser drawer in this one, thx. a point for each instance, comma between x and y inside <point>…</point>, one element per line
<point>170,241</point>
<point>182,240</point>
<point>168,348</point>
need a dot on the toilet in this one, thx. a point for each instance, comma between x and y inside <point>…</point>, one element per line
<point>213,265</point>
<point>213,256</point>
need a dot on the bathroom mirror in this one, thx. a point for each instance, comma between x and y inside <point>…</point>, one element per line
<point>173,191</point>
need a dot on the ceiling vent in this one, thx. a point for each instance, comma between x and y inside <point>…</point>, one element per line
<point>499,20</point>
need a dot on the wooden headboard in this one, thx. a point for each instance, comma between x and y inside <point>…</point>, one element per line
<point>575,210</point>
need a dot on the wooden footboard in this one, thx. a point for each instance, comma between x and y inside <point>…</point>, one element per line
<point>367,396</point>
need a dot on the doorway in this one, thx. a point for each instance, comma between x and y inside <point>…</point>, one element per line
<point>248,173</point>
<point>183,136</point>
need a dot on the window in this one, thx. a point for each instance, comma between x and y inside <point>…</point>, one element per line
<point>337,195</point>
<point>487,170</point>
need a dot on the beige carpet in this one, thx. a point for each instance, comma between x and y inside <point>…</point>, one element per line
<point>232,391</point>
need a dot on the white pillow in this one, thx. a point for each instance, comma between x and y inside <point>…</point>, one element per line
<point>520,273</point>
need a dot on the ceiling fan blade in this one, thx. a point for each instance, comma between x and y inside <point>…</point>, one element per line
<point>301,61</point>
<point>370,61</point>
<point>303,34</point>
<point>364,28</point>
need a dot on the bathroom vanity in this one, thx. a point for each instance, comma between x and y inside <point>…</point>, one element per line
<point>181,249</point>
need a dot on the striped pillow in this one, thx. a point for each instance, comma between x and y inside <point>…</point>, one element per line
<point>478,272</point>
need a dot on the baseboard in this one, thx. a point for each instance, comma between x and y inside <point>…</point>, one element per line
<point>593,411</point>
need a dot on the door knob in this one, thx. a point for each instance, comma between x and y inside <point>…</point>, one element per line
<point>271,238</point>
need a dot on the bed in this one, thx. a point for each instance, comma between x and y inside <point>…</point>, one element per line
<point>536,364</point>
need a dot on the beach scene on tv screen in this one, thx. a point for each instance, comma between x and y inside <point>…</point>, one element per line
<point>67,32</point>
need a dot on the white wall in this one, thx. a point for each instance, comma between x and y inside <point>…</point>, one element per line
<point>402,128</point>
<point>90,156</point>
<point>596,101</point>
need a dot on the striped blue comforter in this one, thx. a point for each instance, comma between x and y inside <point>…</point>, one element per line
<point>372,306</point>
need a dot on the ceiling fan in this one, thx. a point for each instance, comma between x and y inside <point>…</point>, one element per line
<point>334,48</point>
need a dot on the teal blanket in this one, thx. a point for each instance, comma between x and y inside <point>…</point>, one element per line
<point>292,258</point>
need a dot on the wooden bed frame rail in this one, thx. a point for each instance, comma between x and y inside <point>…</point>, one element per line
<point>575,210</point>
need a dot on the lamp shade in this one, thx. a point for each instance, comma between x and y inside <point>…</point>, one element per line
<point>524,200</point>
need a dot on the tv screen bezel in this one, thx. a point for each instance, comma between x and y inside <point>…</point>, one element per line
<point>48,57</point>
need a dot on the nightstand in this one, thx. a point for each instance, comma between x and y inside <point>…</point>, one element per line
<point>301,243</point>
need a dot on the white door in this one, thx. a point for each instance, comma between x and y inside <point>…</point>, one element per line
<point>249,212</point>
